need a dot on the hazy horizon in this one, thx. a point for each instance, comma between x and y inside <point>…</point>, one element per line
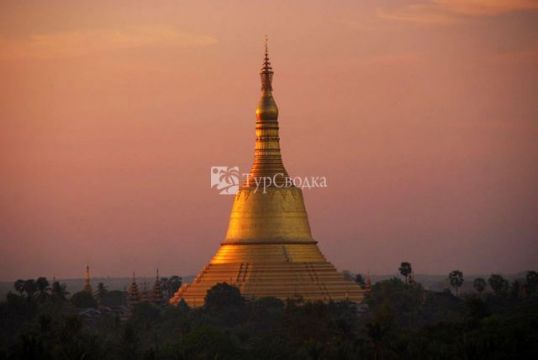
<point>189,277</point>
<point>423,116</point>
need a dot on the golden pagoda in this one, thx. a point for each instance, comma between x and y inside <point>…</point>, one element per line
<point>157,296</point>
<point>268,249</point>
<point>87,282</point>
<point>133,296</point>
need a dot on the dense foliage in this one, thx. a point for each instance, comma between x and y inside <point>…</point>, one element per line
<point>399,320</point>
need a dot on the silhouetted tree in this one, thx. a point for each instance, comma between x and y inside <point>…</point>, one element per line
<point>19,286</point>
<point>114,298</point>
<point>359,279</point>
<point>30,288</point>
<point>42,285</point>
<point>515,289</point>
<point>347,275</point>
<point>498,284</point>
<point>405,301</point>
<point>101,292</point>
<point>145,313</point>
<point>456,280</point>
<point>406,270</point>
<point>130,342</point>
<point>400,322</point>
<point>379,329</point>
<point>479,285</point>
<point>171,285</point>
<point>532,281</point>
<point>476,308</point>
<point>58,291</point>
<point>83,299</point>
<point>205,342</point>
<point>223,297</point>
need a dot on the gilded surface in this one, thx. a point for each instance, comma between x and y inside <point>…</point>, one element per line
<point>268,249</point>
<point>276,215</point>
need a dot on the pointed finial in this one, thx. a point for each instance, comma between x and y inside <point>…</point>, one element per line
<point>266,69</point>
<point>157,273</point>
<point>266,72</point>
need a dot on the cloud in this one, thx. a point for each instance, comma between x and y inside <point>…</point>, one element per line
<point>486,7</point>
<point>444,12</point>
<point>81,43</point>
<point>418,13</point>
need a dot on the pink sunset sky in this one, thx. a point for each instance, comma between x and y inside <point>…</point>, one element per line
<point>423,116</point>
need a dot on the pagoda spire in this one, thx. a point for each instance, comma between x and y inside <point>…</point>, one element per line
<point>87,283</point>
<point>266,73</point>
<point>267,157</point>
<point>157,294</point>
<point>133,297</point>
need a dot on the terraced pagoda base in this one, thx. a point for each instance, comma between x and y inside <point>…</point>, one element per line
<point>279,270</point>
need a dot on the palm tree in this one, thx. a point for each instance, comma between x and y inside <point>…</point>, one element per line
<point>42,285</point>
<point>456,280</point>
<point>30,288</point>
<point>498,283</point>
<point>19,286</point>
<point>532,281</point>
<point>479,285</point>
<point>405,270</point>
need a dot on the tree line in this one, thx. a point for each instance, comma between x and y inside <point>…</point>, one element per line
<point>399,319</point>
<point>498,284</point>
